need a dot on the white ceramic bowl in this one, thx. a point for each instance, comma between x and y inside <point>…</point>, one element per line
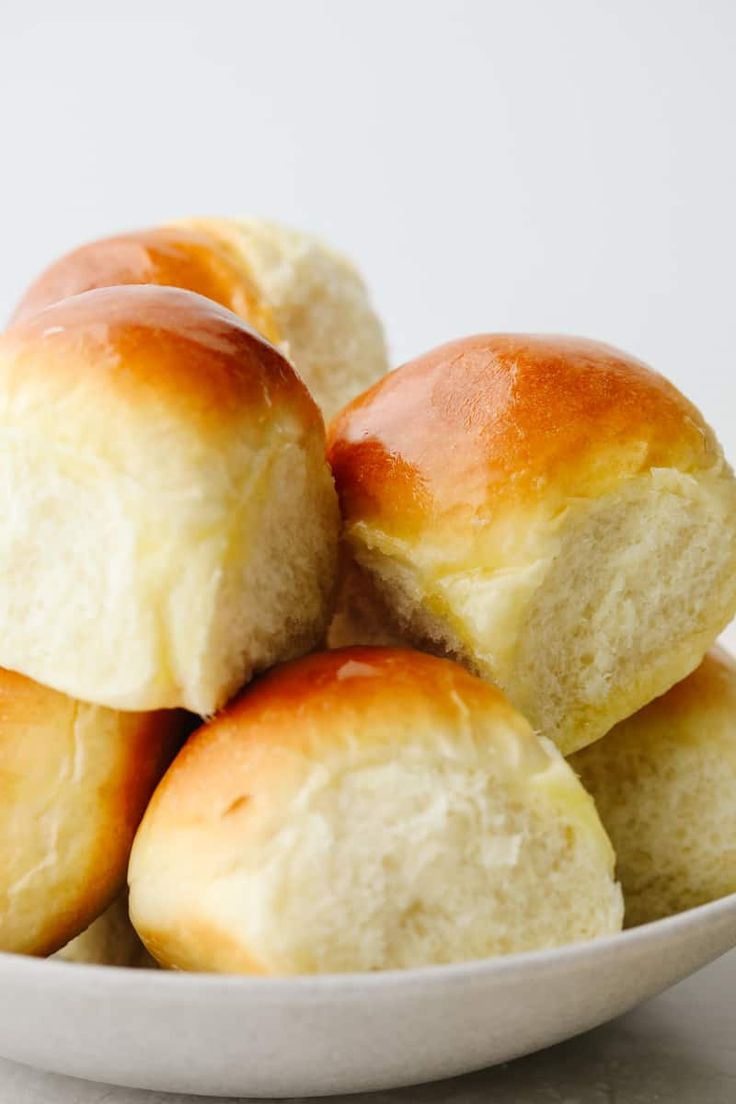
<point>237,1036</point>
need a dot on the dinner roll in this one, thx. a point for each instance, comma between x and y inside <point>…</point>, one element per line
<point>551,512</point>
<point>302,296</point>
<point>110,940</point>
<point>169,519</point>
<point>664,782</point>
<point>74,781</point>
<point>367,809</point>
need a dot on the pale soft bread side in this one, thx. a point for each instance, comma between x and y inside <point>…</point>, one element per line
<point>110,940</point>
<point>367,809</point>
<point>664,782</point>
<point>317,301</point>
<point>548,510</point>
<point>169,520</point>
<point>295,290</point>
<point>74,781</point>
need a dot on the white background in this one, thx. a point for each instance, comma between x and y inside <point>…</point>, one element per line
<point>558,165</point>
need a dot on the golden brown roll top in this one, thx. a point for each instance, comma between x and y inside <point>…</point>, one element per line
<point>170,520</point>
<point>166,255</point>
<point>367,809</point>
<point>74,782</point>
<point>664,782</point>
<point>148,346</point>
<point>502,422</point>
<point>539,506</point>
<point>291,288</point>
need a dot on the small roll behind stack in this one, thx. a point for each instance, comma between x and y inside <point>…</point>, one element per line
<point>664,782</point>
<point>110,940</point>
<point>298,293</point>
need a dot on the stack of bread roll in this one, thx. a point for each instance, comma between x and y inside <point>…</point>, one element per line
<point>406,692</point>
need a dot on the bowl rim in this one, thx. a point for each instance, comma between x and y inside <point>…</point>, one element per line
<point>307,986</point>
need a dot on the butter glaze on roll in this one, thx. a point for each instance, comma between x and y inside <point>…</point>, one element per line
<point>169,519</point>
<point>367,809</point>
<point>74,781</point>
<point>664,782</point>
<point>550,511</point>
<point>298,293</point>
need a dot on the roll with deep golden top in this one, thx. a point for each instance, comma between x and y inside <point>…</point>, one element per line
<point>169,519</point>
<point>367,809</point>
<point>74,781</point>
<point>550,511</point>
<point>298,293</point>
<point>664,782</point>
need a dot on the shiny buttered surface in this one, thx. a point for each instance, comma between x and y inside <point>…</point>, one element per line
<point>550,511</point>
<point>74,781</point>
<point>293,289</point>
<point>169,520</point>
<point>367,809</point>
<point>664,782</point>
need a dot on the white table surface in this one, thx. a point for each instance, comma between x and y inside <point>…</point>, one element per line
<point>678,1049</point>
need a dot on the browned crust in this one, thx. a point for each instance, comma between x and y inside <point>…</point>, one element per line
<point>498,420</point>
